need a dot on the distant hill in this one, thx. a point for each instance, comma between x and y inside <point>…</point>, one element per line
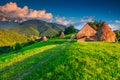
<point>11,32</point>
<point>38,27</point>
<point>8,37</point>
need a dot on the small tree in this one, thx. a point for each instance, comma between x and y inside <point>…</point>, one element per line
<point>117,32</point>
<point>96,24</point>
<point>70,29</point>
<point>17,46</point>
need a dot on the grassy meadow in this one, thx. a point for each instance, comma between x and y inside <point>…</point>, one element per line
<point>61,59</point>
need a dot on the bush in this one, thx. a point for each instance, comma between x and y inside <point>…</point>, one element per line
<point>117,32</point>
<point>17,46</point>
<point>96,24</point>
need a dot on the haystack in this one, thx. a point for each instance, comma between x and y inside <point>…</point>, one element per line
<point>105,33</point>
<point>87,33</point>
<point>44,38</point>
<point>62,36</point>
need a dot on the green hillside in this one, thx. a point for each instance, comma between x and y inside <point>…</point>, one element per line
<point>26,30</point>
<point>8,37</point>
<point>38,28</point>
<point>58,59</point>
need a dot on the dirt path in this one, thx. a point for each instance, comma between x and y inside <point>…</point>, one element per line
<point>19,63</point>
<point>32,68</point>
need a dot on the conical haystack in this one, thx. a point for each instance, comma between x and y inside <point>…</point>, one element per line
<point>62,36</point>
<point>44,38</point>
<point>105,33</point>
<point>87,33</point>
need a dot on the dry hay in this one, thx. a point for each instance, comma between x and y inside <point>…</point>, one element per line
<point>62,36</point>
<point>44,38</point>
<point>105,33</point>
<point>86,33</point>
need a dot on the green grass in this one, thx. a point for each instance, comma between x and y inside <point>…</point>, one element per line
<point>12,63</point>
<point>58,59</point>
<point>82,61</point>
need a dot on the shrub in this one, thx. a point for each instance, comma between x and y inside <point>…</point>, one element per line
<point>17,46</point>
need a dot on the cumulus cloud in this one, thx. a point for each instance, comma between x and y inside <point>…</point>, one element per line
<point>62,20</point>
<point>78,24</point>
<point>12,10</point>
<point>40,14</point>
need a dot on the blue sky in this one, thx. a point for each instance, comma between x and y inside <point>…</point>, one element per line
<point>76,12</point>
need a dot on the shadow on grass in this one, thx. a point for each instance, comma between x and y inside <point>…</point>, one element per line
<point>8,49</point>
<point>42,44</point>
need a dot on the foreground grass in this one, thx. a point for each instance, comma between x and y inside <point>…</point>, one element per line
<point>58,59</point>
<point>82,61</point>
<point>14,64</point>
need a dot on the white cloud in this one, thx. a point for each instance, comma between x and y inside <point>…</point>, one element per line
<point>12,10</point>
<point>40,14</point>
<point>117,21</point>
<point>83,21</point>
<point>62,20</point>
<point>86,19</point>
<point>115,25</point>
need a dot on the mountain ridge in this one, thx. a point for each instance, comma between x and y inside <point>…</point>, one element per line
<point>42,27</point>
<point>13,32</point>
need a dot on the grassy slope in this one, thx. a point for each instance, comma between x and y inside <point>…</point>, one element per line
<point>55,60</point>
<point>38,28</point>
<point>15,64</point>
<point>25,30</point>
<point>8,37</point>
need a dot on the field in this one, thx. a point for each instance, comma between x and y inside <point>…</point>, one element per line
<point>60,59</point>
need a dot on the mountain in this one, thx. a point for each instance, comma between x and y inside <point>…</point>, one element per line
<point>12,32</point>
<point>8,37</point>
<point>38,27</point>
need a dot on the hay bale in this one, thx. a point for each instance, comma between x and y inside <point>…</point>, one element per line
<point>81,40</point>
<point>44,38</point>
<point>62,36</point>
<point>87,33</point>
<point>105,33</point>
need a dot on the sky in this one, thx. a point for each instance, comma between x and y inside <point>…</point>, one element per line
<point>66,12</point>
